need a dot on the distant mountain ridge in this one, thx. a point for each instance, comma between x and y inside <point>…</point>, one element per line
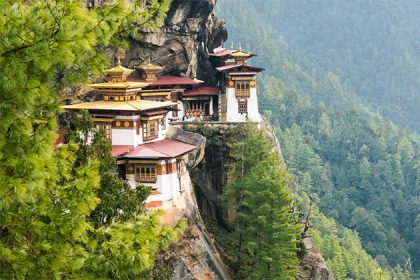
<point>368,49</point>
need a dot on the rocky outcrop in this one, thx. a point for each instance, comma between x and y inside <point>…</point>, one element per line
<point>210,177</point>
<point>182,45</point>
<point>313,266</point>
<point>196,156</point>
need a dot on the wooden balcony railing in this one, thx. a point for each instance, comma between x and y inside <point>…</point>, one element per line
<point>146,178</point>
<point>242,93</point>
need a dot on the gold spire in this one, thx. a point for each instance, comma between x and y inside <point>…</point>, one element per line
<point>149,66</point>
<point>149,70</point>
<point>119,73</point>
<point>240,47</point>
<point>231,45</point>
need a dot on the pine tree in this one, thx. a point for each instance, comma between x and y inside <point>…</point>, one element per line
<point>46,196</point>
<point>264,225</point>
<point>118,200</point>
<point>270,221</point>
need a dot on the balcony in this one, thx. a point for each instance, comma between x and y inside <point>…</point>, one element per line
<point>242,93</point>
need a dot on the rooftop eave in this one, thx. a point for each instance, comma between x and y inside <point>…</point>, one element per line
<point>123,85</point>
<point>119,70</point>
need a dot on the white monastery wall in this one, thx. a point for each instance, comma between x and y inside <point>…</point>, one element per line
<point>125,137</point>
<point>233,115</point>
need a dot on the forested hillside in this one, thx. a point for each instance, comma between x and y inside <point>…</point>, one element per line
<point>357,167</point>
<point>364,175</point>
<point>334,50</point>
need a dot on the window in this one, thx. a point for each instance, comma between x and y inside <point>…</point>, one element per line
<point>242,106</point>
<point>150,130</point>
<point>107,128</point>
<point>242,88</point>
<point>145,173</point>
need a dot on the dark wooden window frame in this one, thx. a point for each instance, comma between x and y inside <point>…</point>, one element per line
<point>150,130</point>
<point>145,173</point>
<point>242,106</point>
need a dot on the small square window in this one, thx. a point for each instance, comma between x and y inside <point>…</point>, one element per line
<point>242,106</point>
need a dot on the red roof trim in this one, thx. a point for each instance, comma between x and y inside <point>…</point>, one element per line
<point>118,150</point>
<point>202,91</point>
<point>154,113</point>
<point>228,67</point>
<point>165,81</point>
<point>167,148</point>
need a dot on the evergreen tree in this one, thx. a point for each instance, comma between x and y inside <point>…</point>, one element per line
<point>118,200</point>
<point>264,226</point>
<point>46,195</point>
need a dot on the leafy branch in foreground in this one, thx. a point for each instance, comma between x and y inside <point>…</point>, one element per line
<point>47,195</point>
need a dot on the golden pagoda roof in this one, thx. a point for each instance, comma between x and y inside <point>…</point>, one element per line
<point>240,53</point>
<point>150,67</point>
<point>132,105</point>
<point>119,70</point>
<point>123,85</point>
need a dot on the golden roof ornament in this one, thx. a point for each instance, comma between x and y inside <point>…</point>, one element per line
<point>119,73</point>
<point>149,66</point>
<point>231,45</point>
<point>241,54</point>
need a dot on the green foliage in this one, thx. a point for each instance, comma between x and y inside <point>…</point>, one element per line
<point>364,175</point>
<point>47,194</point>
<point>348,54</point>
<point>119,201</point>
<point>127,250</point>
<point>342,250</point>
<point>264,227</point>
<point>343,55</point>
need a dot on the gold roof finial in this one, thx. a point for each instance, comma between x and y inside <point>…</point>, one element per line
<point>149,67</point>
<point>240,47</point>
<point>118,72</point>
<point>231,45</point>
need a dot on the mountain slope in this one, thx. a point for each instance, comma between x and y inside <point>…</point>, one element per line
<point>336,50</point>
<point>363,175</point>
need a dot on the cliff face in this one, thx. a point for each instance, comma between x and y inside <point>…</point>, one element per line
<point>190,31</point>
<point>181,47</point>
<point>210,177</point>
